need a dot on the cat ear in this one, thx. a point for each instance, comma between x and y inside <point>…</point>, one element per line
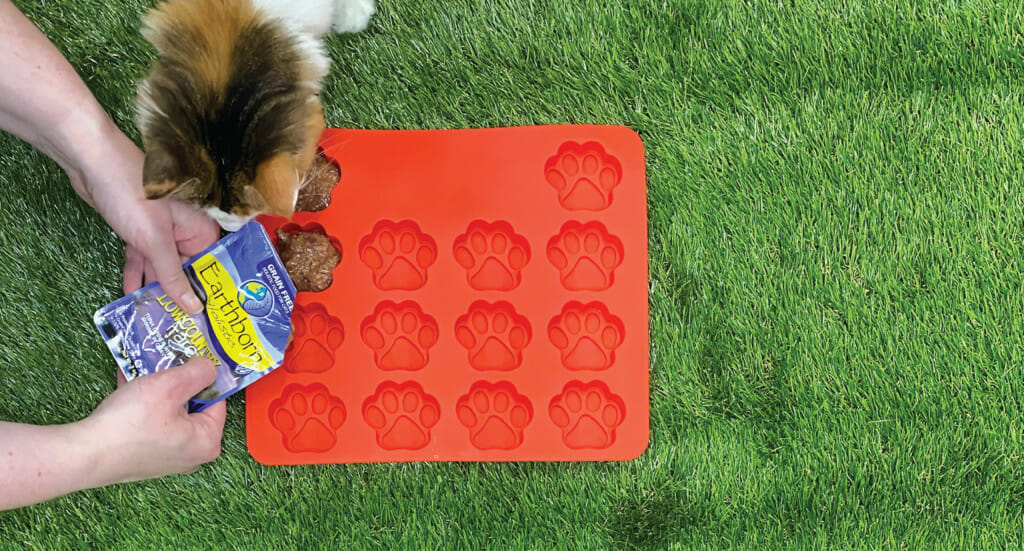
<point>160,174</point>
<point>277,181</point>
<point>158,190</point>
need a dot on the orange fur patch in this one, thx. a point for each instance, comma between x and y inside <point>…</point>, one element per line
<point>316,128</point>
<point>277,180</point>
<point>211,26</point>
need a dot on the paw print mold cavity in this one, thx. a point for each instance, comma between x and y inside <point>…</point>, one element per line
<point>495,415</point>
<point>586,335</point>
<point>309,255</point>
<point>318,183</point>
<point>494,334</point>
<point>402,415</point>
<point>585,256</point>
<point>400,335</point>
<point>316,338</point>
<point>308,418</point>
<point>398,254</point>
<point>588,414</point>
<point>493,255</point>
<point>584,175</point>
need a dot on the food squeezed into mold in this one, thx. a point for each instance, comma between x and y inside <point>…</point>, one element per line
<point>309,257</point>
<point>315,195</point>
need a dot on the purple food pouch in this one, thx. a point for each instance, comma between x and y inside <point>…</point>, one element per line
<point>243,329</point>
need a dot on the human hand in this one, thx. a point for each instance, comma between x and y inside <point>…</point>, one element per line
<point>45,102</point>
<point>140,431</point>
<point>145,430</point>
<point>159,234</point>
<point>178,231</point>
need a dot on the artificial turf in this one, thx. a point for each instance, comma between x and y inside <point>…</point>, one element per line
<point>835,295</point>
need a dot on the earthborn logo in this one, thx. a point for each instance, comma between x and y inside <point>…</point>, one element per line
<point>226,308</point>
<point>255,298</point>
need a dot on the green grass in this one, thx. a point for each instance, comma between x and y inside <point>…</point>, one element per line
<point>835,252</point>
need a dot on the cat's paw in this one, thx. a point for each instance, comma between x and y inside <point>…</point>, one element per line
<point>352,16</point>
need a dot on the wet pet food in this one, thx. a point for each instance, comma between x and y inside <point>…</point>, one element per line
<point>244,327</point>
<point>309,257</point>
<point>315,195</point>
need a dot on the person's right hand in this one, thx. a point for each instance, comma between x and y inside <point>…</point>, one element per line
<point>146,431</point>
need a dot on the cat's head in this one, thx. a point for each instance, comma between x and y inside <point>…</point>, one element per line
<point>229,113</point>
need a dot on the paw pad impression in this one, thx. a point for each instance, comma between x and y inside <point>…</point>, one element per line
<point>315,340</point>
<point>308,417</point>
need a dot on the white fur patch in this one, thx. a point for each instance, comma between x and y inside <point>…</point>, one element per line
<point>352,16</point>
<point>309,16</point>
<point>317,17</point>
<point>230,222</point>
<point>313,50</point>
<point>306,21</point>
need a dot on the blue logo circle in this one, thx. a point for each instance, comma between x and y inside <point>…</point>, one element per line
<point>255,298</point>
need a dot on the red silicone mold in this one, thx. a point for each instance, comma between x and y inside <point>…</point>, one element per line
<point>490,303</point>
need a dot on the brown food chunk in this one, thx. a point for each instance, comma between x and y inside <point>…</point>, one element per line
<point>315,196</point>
<point>309,259</point>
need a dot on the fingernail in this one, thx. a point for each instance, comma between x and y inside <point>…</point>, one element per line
<point>191,303</point>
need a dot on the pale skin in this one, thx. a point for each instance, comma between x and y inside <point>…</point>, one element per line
<point>141,430</point>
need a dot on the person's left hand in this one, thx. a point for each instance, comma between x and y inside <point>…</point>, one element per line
<point>44,101</point>
<point>171,233</point>
<point>176,232</point>
<point>159,234</point>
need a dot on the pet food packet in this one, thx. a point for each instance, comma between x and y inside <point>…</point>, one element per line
<point>244,327</point>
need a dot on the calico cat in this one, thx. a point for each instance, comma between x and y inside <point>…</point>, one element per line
<point>230,111</point>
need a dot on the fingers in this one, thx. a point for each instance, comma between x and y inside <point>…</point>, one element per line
<point>188,379</point>
<point>166,232</point>
<point>209,425</point>
<point>133,269</point>
<point>194,230</point>
<point>169,246</point>
<point>149,273</point>
<point>139,271</point>
<point>171,277</point>
<point>212,419</point>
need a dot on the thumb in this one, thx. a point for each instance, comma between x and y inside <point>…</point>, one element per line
<point>134,266</point>
<point>189,378</point>
<point>165,261</point>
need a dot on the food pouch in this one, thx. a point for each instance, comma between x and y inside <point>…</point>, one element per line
<point>243,329</point>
